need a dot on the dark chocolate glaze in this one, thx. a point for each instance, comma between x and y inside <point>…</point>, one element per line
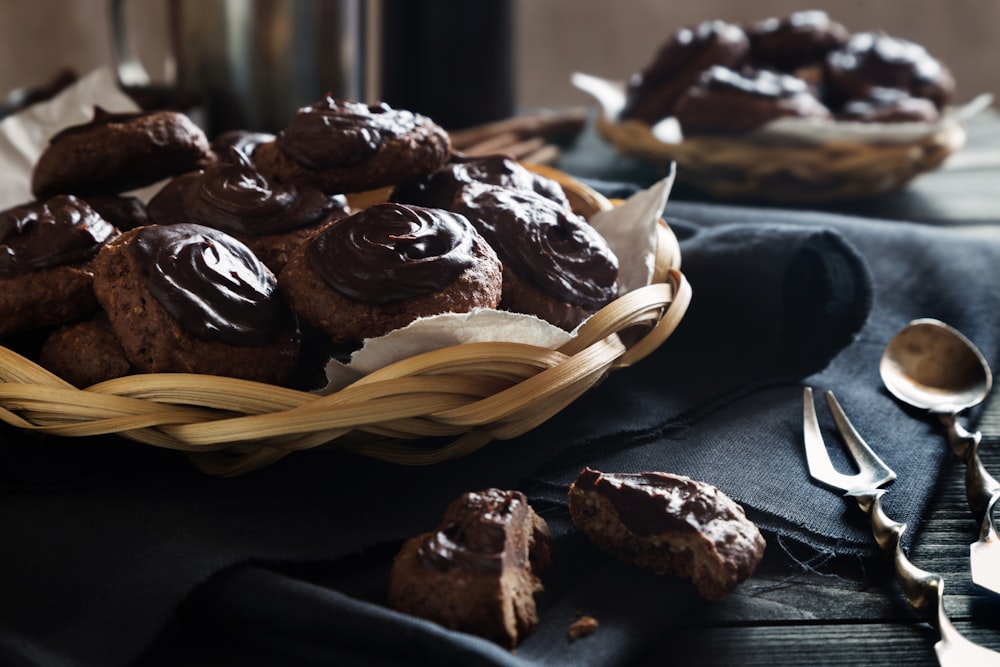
<point>874,59</point>
<point>889,105</point>
<point>757,83</point>
<point>799,39</point>
<point>473,532</point>
<point>439,189</point>
<point>557,250</point>
<point>100,118</point>
<point>62,230</point>
<point>652,93</point>
<point>234,197</point>
<point>725,101</point>
<point>228,144</point>
<point>389,252</point>
<point>211,283</point>
<point>341,133</point>
<point>654,502</point>
<point>124,212</point>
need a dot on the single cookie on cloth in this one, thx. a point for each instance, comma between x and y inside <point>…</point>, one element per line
<point>726,102</point>
<point>46,255</point>
<point>555,265</point>
<point>438,190</point>
<point>272,219</point>
<point>385,266</point>
<point>670,524</point>
<point>477,572</point>
<point>190,299</point>
<point>342,146</point>
<point>117,152</point>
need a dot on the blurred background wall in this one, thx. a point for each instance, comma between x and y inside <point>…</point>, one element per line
<point>553,38</point>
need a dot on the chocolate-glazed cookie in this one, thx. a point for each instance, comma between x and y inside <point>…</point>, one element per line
<point>190,299</point>
<point>124,212</point>
<point>383,267</point>
<point>653,93</point>
<point>272,219</point>
<point>439,189</point>
<point>798,40</point>
<point>727,102</point>
<point>117,152</point>
<point>478,570</point>
<point>670,524</point>
<point>46,252</point>
<point>889,105</point>
<point>555,265</point>
<point>343,146</point>
<point>875,60</point>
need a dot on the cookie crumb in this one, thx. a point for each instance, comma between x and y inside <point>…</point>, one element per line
<point>582,627</point>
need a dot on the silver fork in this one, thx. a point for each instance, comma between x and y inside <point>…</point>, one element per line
<point>923,590</point>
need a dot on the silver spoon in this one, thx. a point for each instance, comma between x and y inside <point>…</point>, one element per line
<point>932,366</point>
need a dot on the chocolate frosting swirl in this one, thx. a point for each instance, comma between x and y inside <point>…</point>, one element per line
<point>62,230</point>
<point>551,246</point>
<point>341,133</point>
<point>473,532</point>
<point>234,197</point>
<point>389,252</point>
<point>439,189</point>
<point>211,283</point>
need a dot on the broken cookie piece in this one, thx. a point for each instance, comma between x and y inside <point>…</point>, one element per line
<point>670,524</point>
<point>478,571</point>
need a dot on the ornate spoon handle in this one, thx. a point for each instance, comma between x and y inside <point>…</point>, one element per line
<point>923,590</point>
<point>980,487</point>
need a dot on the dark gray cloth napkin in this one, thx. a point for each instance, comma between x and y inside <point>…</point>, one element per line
<point>105,541</point>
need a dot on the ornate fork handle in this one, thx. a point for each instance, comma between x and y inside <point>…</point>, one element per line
<point>981,489</point>
<point>923,590</point>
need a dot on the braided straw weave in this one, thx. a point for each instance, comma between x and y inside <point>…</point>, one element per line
<point>469,394</point>
<point>740,168</point>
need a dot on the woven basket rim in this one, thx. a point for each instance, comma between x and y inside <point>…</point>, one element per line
<point>792,172</point>
<point>466,395</point>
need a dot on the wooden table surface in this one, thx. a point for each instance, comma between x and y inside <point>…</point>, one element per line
<point>797,610</point>
<point>844,611</point>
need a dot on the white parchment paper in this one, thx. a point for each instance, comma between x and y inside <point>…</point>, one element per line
<point>24,135</point>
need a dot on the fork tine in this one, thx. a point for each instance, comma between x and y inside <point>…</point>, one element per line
<point>879,473</point>
<point>817,458</point>
<point>872,471</point>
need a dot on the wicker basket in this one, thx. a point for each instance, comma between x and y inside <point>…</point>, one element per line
<point>841,166</point>
<point>741,168</point>
<point>469,394</point>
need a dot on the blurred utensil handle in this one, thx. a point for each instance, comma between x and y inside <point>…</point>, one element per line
<point>250,64</point>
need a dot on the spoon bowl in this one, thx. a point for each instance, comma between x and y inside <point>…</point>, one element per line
<point>932,366</point>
